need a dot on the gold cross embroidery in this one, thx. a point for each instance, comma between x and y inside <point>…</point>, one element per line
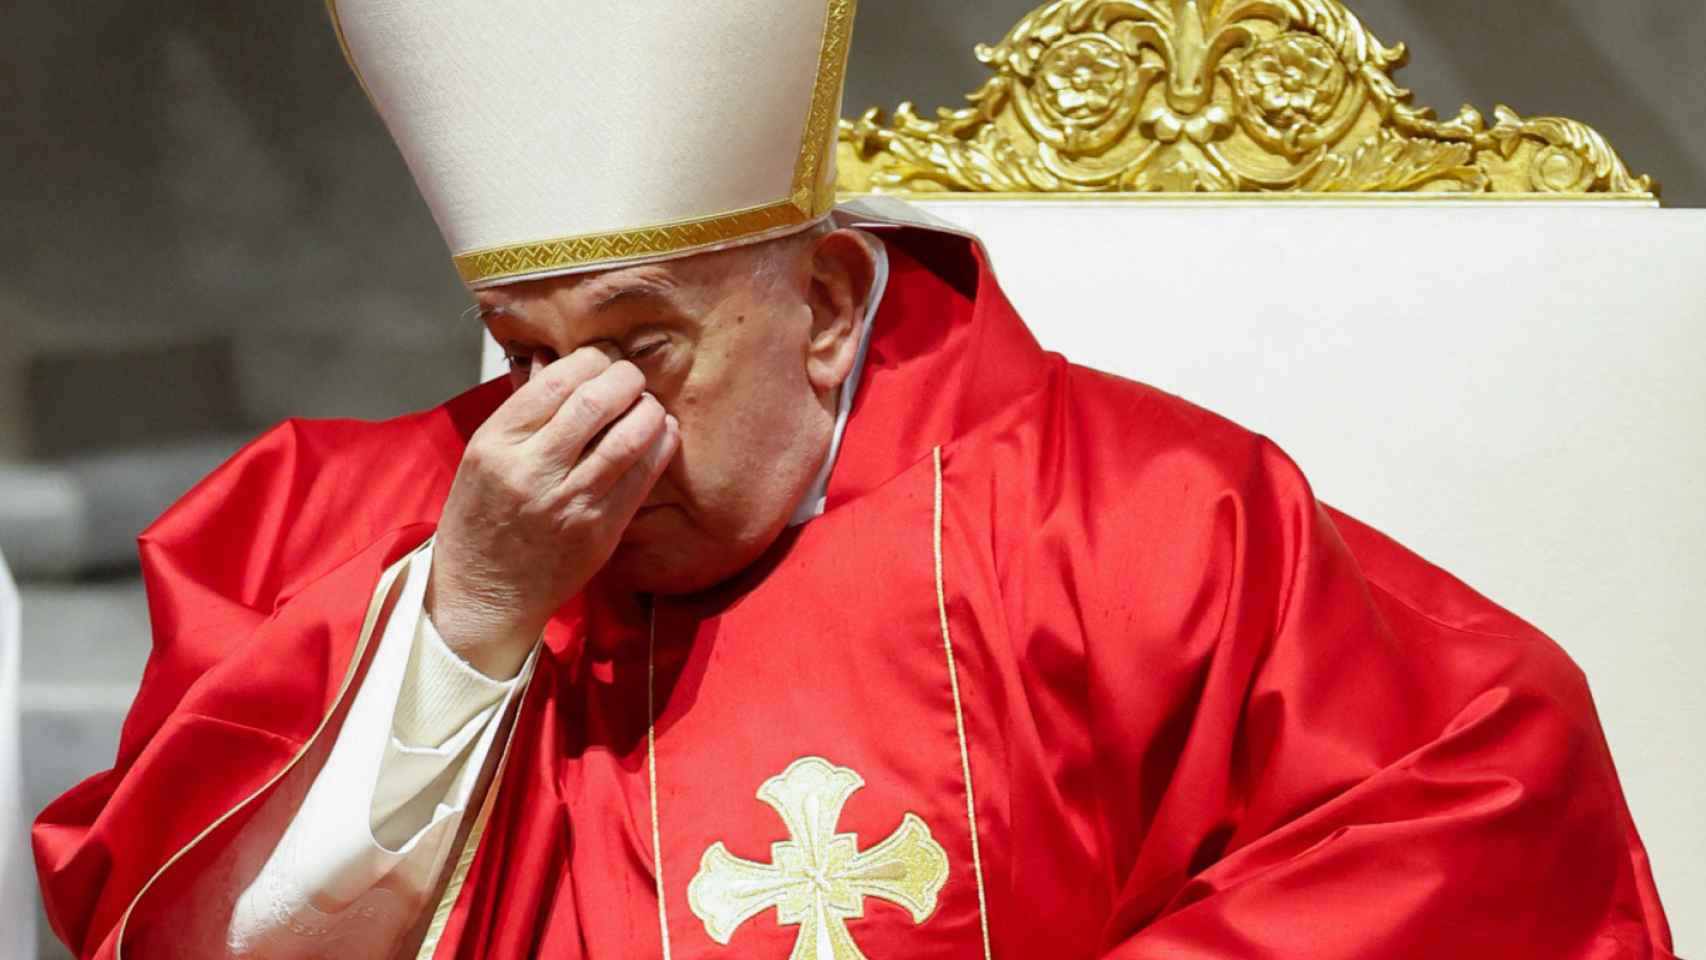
<point>818,879</point>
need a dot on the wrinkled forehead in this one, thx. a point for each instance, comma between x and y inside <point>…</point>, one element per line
<point>705,271</point>
<point>584,290</point>
<point>604,300</point>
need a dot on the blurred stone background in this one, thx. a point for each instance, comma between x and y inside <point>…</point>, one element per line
<point>206,230</point>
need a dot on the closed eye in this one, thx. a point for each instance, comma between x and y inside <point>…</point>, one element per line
<point>645,349</point>
<point>520,361</point>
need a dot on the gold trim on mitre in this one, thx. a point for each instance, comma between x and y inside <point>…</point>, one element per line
<point>814,174</point>
<point>811,197</point>
<point>349,56</point>
<point>483,268</point>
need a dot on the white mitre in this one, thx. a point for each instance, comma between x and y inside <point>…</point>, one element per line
<point>551,137</point>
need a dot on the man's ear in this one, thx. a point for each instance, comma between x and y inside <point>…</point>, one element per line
<point>841,270</point>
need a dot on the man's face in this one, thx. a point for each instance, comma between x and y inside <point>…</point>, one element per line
<point>745,348</point>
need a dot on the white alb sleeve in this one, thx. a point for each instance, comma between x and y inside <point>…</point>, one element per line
<point>374,828</point>
<point>440,737</point>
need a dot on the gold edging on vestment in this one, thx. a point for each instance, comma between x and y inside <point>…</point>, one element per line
<point>471,844</point>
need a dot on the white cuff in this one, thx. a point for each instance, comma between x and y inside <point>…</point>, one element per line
<point>441,692</point>
<point>419,786</point>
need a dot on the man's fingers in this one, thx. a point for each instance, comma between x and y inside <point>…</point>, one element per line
<point>593,406</point>
<point>630,489</point>
<point>622,446</point>
<point>546,389</point>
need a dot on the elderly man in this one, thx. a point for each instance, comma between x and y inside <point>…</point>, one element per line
<point>787,601</point>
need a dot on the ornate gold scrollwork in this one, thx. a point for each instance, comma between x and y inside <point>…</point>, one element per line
<point>1188,96</point>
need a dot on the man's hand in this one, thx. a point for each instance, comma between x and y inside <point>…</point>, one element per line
<point>540,501</point>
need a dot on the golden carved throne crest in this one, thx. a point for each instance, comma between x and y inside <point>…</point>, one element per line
<point>1214,96</point>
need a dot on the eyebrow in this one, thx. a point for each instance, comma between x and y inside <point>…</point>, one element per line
<point>485,311</point>
<point>619,290</point>
<point>641,289</point>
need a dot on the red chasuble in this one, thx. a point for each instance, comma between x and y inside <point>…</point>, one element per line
<point>1068,668</point>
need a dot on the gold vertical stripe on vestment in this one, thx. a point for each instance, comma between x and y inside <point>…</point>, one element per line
<point>652,768</point>
<point>959,711</point>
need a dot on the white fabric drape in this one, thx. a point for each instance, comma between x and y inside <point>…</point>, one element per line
<point>17,877</point>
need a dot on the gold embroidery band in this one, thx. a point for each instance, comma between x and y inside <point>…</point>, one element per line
<point>485,267</point>
<point>814,182</point>
<point>959,713</point>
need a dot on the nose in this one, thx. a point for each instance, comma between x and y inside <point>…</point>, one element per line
<point>542,358</point>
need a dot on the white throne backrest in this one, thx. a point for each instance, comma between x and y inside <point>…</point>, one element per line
<point>1483,337</point>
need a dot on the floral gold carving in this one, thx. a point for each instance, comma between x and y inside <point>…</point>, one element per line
<point>1188,96</point>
